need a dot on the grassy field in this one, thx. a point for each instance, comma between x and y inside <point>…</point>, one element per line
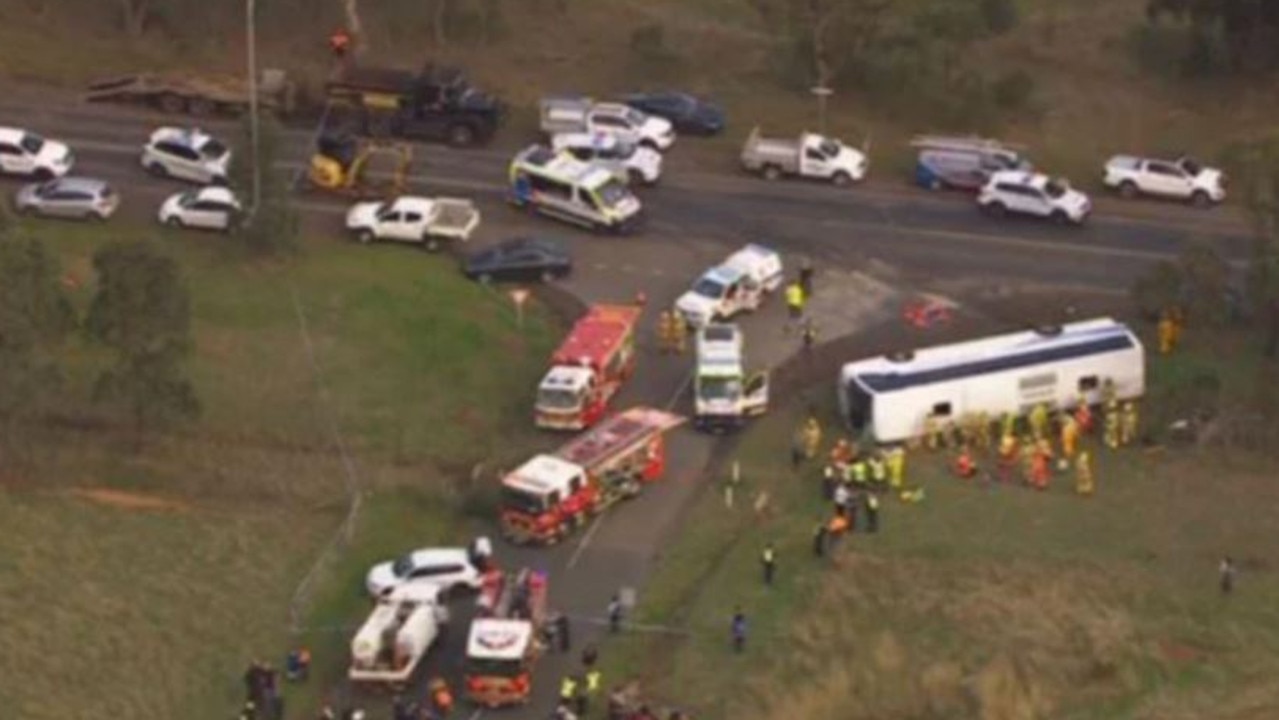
<point>146,603</point>
<point>980,602</point>
<point>1091,99</point>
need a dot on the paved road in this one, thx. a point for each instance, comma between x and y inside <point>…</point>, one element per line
<point>695,218</point>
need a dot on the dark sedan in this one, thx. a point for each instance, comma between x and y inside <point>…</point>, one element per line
<point>689,114</point>
<point>521,259</point>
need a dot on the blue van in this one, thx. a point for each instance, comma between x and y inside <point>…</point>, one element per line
<point>962,163</point>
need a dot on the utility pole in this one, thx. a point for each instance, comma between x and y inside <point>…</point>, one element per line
<point>822,92</point>
<point>250,22</point>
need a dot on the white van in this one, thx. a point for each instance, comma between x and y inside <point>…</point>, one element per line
<point>561,186</point>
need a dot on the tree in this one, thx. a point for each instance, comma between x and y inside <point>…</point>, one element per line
<point>35,318</point>
<point>272,229</point>
<point>1246,32</point>
<point>1256,166</point>
<point>142,313</point>
<point>134,16</point>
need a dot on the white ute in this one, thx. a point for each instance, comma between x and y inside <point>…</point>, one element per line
<point>399,631</point>
<point>24,153</point>
<point>1183,179</point>
<point>579,114</point>
<point>425,221</point>
<point>723,396</point>
<point>628,162</point>
<point>809,156</point>
<point>739,284</point>
<point>1029,193</point>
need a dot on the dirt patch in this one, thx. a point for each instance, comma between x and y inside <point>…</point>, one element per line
<point>133,502</point>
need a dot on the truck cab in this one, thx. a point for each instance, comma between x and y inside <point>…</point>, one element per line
<point>435,103</point>
<point>542,498</point>
<point>503,643</point>
<point>568,398</point>
<point>810,156</point>
<point>588,368</point>
<point>724,395</point>
<point>563,187</point>
<point>739,284</point>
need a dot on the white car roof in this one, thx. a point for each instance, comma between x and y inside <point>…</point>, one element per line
<point>11,134</point>
<point>438,556</point>
<point>719,352</point>
<point>1020,177</point>
<point>751,257</point>
<point>498,639</point>
<point>413,202</point>
<point>596,140</point>
<point>544,474</point>
<point>217,194</point>
<point>564,167</point>
<point>191,137</point>
<point>564,377</point>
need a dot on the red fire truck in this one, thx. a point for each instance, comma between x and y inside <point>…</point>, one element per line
<point>588,368</point>
<point>503,643</point>
<point>549,496</point>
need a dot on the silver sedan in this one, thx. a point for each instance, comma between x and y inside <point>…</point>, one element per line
<point>68,197</point>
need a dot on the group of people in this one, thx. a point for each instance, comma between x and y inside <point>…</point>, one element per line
<point>672,332</point>
<point>577,690</point>
<point>1034,448</point>
<point>262,698</point>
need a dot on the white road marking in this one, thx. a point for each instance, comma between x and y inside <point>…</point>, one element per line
<point>586,540</point>
<point>679,391</point>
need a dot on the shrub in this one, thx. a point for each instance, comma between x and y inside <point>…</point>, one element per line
<point>1013,90</point>
<point>1000,16</point>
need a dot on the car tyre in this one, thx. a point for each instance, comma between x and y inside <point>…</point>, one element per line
<point>175,222</point>
<point>365,237</point>
<point>548,277</point>
<point>635,177</point>
<point>1127,190</point>
<point>430,243</point>
<point>484,279</point>
<point>936,184</point>
<point>1059,217</point>
<point>461,135</point>
<point>1200,199</point>
<point>42,174</point>
<point>841,179</point>
<point>772,172</point>
<point>28,211</point>
<point>995,209</point>
<point>157,169</point>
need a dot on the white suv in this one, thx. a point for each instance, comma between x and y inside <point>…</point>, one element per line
<point>1183,179</point>
<point>627,161</point>
<point>1029,193</point>
<point>25,153</point>
<point>186,154</point>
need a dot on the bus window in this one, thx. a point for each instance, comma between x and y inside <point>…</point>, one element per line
<point>942,409</point>
<point>1089,383</point>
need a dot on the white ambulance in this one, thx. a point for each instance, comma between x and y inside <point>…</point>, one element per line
<point>561,186</point>
<point>723,395</point>
<point>739,284</point>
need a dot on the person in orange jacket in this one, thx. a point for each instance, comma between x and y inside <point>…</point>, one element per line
<point>965,467</point>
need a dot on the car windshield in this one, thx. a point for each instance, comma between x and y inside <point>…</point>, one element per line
<point>402,566</point>
<point>188,199</point>
<point>683,104</point>
<point>613,193</point>
<point>635,117</point>
<point>708,288</point>
<point>620,150</point>
<point>489,667</point>
<point>1056,188</point>
<point>47,189</point>
<point>31,143</point>
<point>557,399</point>
<point>719,388</point>
<point>1190,166</point>
<point>521,501</point>
<point>381,210</point>
<point>212,149</point>
<point>829,148</point>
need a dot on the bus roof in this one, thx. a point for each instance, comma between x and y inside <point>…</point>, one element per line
<point>979,357</point>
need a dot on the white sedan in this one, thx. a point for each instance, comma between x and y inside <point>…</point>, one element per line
<point>186,154</point>
<point>445,568</point>
<point>210,208</point>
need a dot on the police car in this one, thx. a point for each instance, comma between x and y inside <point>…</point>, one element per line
<point>186,154</point>
<point>1030,193</point>
<point>561,186</point>
<point>627,161</point>
<point>739,284</point>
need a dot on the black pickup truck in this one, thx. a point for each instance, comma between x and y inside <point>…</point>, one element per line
<point>436,103</point>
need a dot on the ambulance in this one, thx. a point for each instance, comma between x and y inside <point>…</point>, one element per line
<point>724,396</point>
<point>739,284</point>
<point>547,498</point>
<point>588,368</point>
<point>561,186</point>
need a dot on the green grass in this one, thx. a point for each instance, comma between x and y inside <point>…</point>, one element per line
<point>147,613</point>
<point>978,602</point>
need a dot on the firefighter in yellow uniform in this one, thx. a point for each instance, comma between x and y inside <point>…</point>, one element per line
<point>896,467</point>
<point>1039,421</point>
<point>811,437</point>
<point>1128,424</point>
<point>1069,440</point>
<point>1167,333</point>
<point>665,331</point>
<point>679,332</point>
<point>1084,481</point>
<point>1112,425</point>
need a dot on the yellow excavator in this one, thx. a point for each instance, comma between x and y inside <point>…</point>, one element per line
<point>342,164</point>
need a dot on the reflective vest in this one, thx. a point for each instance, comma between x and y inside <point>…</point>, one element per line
<point>878,471</point>
<point>872,503</point>
<point>794,296</point>
<point>768,555</point>
<point>593,681</point>
<point>568,688</point>
<point>859,472</point>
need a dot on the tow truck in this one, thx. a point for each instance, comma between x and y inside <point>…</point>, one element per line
<point>402,627</point>
<point>503,643</point>
<point>549,496</point>
<point>723,396</point>
<point>588,369</point>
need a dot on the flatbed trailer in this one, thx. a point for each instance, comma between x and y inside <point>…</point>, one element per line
<point>198,94</point>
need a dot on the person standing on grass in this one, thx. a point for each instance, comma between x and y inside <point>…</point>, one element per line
<point>768,560</point>
<point>738,630</point>
<point>1227,572</point>
<point>872,513</point>
<point>615,614</point>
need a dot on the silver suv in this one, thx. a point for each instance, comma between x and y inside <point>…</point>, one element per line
<point>68,197</point>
